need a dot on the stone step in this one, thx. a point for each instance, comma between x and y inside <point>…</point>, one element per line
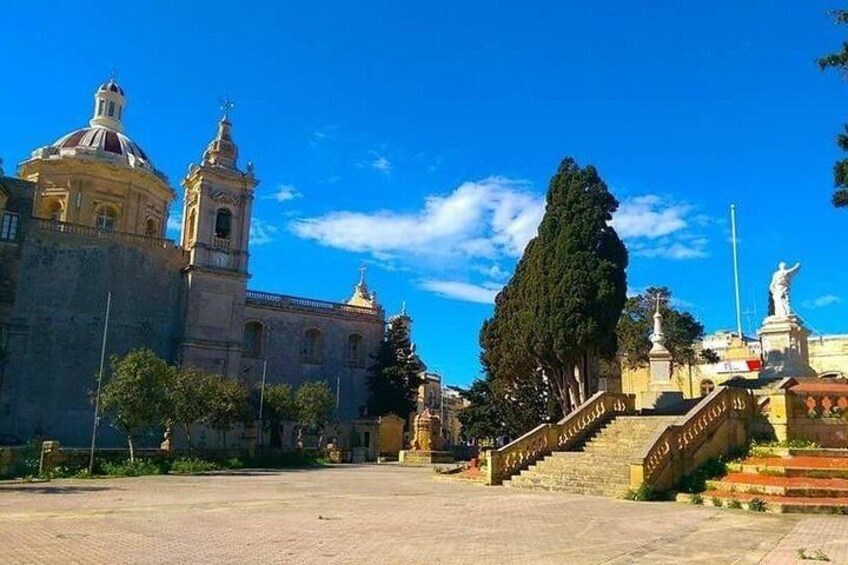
<point>794,487</point>
<point>775,504</point>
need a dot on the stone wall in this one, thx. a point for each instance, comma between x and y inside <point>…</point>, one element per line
<point>56,325</point>
<point>284,341</point>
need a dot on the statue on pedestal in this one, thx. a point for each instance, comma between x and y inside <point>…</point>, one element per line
<point>779,288</point>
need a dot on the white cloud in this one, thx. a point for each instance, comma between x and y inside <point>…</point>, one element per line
<point>647,216</point>
<point>380,163</point>
<point>175,223</point>
<point>462,291</point>
<point>654,228</point>
<point>486,219</point>
<point>285,193</point>
<point>822,301</point>
<point>261,232</point>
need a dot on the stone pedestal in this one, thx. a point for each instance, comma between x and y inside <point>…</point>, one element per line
<point>661,393</point>
<point>426,442</point>
<point>784,342</point>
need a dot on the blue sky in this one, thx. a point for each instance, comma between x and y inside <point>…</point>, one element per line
<point>420,139</point>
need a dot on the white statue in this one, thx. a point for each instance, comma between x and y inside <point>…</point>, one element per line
<point>779,289</point>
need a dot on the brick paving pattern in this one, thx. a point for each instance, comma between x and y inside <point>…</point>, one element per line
<point>379,514</point>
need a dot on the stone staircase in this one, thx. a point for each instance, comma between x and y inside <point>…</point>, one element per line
<point>601,465</point>
<point>808,481</point>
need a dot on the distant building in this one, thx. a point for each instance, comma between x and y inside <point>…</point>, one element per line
<point>86,216</point>
<point>739,358</point>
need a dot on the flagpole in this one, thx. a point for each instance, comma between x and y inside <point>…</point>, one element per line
<point>262,403</point>
<point>736,271</point>
<point>99,383</point>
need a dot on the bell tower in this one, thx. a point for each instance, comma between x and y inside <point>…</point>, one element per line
<point>216,229</point>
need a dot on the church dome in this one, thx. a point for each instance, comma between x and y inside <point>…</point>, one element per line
<point>104,138</point>
<point>105,142</point>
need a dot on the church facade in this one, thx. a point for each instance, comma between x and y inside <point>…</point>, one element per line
<point>85,217</point>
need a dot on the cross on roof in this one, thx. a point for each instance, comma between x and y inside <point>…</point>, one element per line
<point>226,106</point>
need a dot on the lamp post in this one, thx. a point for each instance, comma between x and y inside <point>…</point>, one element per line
<point>99,383</point>
<point>262,403</point>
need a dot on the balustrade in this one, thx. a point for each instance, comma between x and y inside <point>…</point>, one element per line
<point>680,448</point>
<point>283,302</point>
<point>561,436</point>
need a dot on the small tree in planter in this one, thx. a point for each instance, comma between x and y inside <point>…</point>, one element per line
<point>231,406</point>
<point>314,404</point>
<point>135,395</point>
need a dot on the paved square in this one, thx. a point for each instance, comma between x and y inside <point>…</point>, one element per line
<point>379,514</point>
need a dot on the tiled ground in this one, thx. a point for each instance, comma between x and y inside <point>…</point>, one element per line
<point>379,514</point>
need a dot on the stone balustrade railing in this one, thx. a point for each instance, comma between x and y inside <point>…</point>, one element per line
<point>93,232</point>
<point>542,440</point>
<point>714,427</point>
<point>284,302</point>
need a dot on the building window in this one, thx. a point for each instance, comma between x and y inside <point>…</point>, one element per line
<point>53,210</point>
<point>312,346</point>
<point>111,109</point>
<point>253,332</point>
<point>9,226</point>
<point>150,227</point>
<point>355,351</point>
<point>223,223</point>
<point>100,107</point>
<point>106,216</point>
<point>189,234</point>
<point>120,108</point>
<point>707,386</point>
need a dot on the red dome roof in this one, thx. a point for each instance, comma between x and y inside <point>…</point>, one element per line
<point>100,139</point>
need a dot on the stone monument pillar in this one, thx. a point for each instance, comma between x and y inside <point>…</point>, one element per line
<point>426,442</point>
<point>661,393</point>
<point>783,335</point>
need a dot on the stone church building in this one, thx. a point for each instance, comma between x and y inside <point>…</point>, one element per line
<point>86,216</point>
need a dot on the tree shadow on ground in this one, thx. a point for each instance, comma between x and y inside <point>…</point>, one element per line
<point>53,489</point>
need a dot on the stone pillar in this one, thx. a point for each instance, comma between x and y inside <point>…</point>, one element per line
<point>661,393</point>
<point>785,352</point>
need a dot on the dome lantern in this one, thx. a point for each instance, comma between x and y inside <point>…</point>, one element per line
<point>109,102</point>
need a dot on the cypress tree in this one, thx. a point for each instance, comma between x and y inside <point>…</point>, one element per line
<point>395,375</point>
<point>557,316</point>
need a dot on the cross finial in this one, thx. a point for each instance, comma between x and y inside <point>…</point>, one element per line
<point>362,274</point>
<point>226,105</point>
<point>403,308</point>
<point>658,297</point>
<point>113,74</point>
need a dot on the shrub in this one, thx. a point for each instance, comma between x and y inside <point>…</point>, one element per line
<point>642,494</point>
<point>734,503</point>
<point>696,499</point>
<point>188,466</point>
<point>696,482</point>
<point>757,505</point>
<point>233,463</point>
<point>137,468</point>
<point>716,502</point>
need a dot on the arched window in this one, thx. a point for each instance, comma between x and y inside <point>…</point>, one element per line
<point>150,228</point>
<point>106,216</point>
<point>253,334</point>
<point>189,235</point>
<point>100,106</point>
<point>355,351</point>
<point>312,346</point>
<point>707,386</point>
<point>223,223</point>
<point>53,210</point>
<point>111,109</point>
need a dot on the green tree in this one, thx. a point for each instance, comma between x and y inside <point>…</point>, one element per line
<point>191,396</point>
<point>556,318</point>
<point>279,408</point>
<point>135,396</point>
<point>394,377</point>
<point>839,61</point>
<point>482,418</point>
<point>230,406</point>
<point>681,329</point>
<point>314,403</point>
